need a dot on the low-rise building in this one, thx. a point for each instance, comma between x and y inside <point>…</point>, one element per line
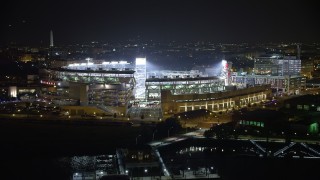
<point>219,101</point>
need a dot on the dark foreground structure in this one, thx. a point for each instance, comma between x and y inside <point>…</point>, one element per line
<point>242,159</point>
<point>115,177</point>
<point>34,151</point>
<point>246,167</point>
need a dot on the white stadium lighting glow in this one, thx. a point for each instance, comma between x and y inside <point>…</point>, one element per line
<point>114,62</point>
<point>83,64</point>
<point>76,64</point>
<point>141,61</point>
<point>106,63</point>
<point>224,62</point>
<point>90,63</point>
<point>123,62</point>
<point>13,91</point>
<point>70,65</point>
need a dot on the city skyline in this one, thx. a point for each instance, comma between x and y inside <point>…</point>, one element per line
<point>151,89</point>
<point>228,21</point>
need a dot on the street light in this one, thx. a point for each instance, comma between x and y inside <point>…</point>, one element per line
<point>169,131</point>
<point>137,139</point>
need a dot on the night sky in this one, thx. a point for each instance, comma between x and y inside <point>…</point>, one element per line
<point>29,22</point>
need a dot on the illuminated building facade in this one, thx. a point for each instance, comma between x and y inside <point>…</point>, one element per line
<point>186,82</point>
<point>277,66</point>
<point>182,82</point>
<point>281,84</point>
<point>282,73</point>
<point>140,77</point>
<point>219,101</point>
<point>109,84</point>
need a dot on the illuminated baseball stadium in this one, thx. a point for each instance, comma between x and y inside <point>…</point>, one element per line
<point>129,88</point>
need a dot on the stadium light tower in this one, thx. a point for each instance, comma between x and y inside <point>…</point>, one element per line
<point>88,60</point>
<point>140,77</point>
<point>225,71</point>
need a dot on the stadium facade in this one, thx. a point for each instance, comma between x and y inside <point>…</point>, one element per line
<point>117,87</point>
